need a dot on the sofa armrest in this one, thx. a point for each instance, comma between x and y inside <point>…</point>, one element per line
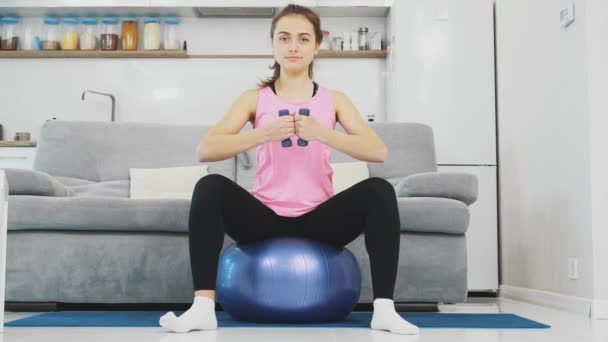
<point>36,183</point>
<point>3,190</point>
<point>455,185</point>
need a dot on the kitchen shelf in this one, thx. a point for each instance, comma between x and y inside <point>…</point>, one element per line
<point>174,54</point>
<point>93,54</point>
<point>12,143</point>
<point>322,54</point>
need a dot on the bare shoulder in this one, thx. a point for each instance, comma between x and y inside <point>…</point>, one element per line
<point>341,102</point>
<point>339,99</point>
<point>250,96</point>
<point>337,95</point>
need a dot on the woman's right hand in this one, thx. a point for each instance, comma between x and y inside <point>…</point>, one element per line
<point>280,129</point>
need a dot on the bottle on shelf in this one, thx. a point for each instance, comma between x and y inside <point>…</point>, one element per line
<point>51,34</point>
<point>130,34</point>
<point>10,33</point>
<point>70,39</point>
<point>152,36</point>
<point>171,39</point>
<point>109,37</point>
<point>88,34</point>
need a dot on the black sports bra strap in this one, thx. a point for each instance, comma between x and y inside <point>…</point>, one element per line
<point>314,92</point>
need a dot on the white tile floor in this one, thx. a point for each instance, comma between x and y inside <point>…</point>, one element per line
<point>565,327</point>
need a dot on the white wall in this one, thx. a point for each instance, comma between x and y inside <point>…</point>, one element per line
<point>597,12</point>
<point>180,91</point>
<point>544,158</point>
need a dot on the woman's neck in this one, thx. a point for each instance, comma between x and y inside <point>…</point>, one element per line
<point>296,89</point>
<point>292,85</point>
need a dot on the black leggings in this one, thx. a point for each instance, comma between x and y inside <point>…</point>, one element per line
<point>219,205</point>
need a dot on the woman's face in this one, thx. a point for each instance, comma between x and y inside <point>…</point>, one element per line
<point>294,45</point>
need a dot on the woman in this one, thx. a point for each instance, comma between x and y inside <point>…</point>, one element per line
<point>293,192</point>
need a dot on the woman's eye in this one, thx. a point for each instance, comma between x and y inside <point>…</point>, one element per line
<point>283,39</point>
<point>305,40</point>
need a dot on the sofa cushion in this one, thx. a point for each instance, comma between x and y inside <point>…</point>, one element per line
<point>103,151</point>
<point>167,182</point>
<point>411,149</point>
<point>37,183</point>
<point>97,213</point>
<point>417,214</point>
<point>348,174</point>
<point>116,188</point>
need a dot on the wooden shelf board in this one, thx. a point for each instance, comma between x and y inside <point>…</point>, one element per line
<point>10,143</point>
<point>93,54</point>
<point>174,54</point>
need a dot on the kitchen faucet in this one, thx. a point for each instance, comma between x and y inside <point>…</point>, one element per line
<point>110,95</point>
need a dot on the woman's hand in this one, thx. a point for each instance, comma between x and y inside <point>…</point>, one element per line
<point>308,128</point>
<point>280,129</point>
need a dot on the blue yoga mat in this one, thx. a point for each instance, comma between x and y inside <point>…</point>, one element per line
<point>353,320</point>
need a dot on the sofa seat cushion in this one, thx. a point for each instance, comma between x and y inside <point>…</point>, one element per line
<point>97,213</point>
<point>84,188</point>
<point>417,214</point>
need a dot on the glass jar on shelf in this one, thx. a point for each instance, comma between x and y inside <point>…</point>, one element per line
<point>171,40</point>
<point>152,35</point>
<point>30,39</point>
<point>108,39</point>
<point>363,38</point>
<point>88,34</point>
<point>10,33</point>
<point>130,34</point>
<point>51,35</point>
<point>70,40</point>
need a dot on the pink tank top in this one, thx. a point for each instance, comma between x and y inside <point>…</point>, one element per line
<point>293,180</point>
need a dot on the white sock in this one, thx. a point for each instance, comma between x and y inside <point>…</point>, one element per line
<point>200,316</point>
<point>385,317</point>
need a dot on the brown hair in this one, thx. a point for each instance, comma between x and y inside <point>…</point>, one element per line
<point>293,9</point>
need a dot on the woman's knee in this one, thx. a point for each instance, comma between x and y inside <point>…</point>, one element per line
<point>381,188</point>
<point>211,184</point>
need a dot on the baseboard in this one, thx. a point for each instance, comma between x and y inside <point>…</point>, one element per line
<point>600,309</point>
<point>550,299</point>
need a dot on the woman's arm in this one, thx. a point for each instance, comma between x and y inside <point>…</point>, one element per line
<point>361,142</point>
<point>224,141</point>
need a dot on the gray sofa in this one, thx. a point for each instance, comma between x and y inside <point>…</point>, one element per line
<point>75,236</point>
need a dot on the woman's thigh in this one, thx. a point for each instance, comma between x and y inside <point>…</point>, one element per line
<point>245,218</point>
<point>342,218</point>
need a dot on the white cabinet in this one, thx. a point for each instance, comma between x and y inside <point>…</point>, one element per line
<point>482,234</point>
<point>440,72</point>
<point>17,157</point>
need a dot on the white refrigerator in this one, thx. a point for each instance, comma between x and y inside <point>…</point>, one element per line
<point>440,71</point>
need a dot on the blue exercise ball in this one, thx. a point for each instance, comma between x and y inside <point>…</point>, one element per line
<point>287,280</point>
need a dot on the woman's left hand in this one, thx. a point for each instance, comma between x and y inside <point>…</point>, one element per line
<point>308,128</point>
